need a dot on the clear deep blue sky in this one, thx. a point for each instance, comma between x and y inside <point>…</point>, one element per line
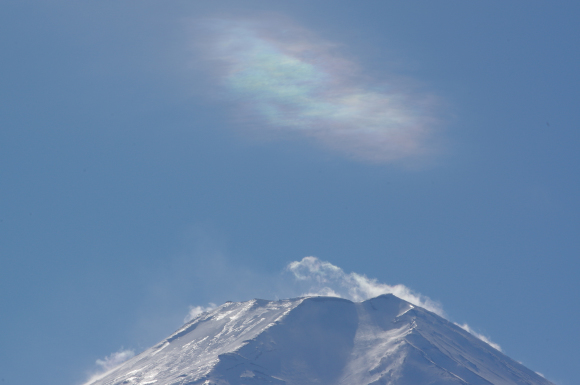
<point>159,155</point>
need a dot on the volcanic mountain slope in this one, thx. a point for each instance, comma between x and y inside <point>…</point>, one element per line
<point>323,341</point>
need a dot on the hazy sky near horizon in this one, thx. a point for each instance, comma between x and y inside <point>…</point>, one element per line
<point>161,156</point>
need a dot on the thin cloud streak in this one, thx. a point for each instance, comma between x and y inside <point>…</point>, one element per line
<point>286,79</point>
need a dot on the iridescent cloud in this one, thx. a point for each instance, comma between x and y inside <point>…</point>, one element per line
<point>288,80</point>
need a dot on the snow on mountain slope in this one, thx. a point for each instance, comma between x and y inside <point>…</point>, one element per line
<point>321,340</point>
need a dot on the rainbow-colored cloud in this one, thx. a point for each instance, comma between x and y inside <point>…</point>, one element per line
<point>289,80</point>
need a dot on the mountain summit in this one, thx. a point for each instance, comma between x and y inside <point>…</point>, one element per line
<point>323,341</point>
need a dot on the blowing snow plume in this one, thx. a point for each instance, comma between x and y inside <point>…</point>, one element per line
<point>110,362</point>
<point>194,311</point>
<point>330,280</point>
<point>311,276</point>
<point>285,79</point>
<point>325,279</point>
<point>115,359</point>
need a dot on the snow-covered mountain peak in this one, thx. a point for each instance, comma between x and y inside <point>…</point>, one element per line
<point>324,341</point>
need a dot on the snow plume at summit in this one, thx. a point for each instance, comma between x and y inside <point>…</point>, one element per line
<point>284,79</point>
<point>307,277</point>
<point>330,280</point>
<point>322,278</point>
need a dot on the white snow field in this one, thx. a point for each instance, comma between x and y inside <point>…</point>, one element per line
<point>323,341</point>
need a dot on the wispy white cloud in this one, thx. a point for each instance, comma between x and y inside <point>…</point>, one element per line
<point>328,279</point>
<point>286,79</point>
<point>485,339</point>
<point>194,311</point>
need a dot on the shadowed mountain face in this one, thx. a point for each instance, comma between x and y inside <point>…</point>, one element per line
<point>323,341</point>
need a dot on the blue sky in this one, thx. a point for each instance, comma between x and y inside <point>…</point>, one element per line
<point>159,156</point>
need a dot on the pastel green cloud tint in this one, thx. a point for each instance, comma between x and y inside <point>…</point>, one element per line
<point>293,82</point>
